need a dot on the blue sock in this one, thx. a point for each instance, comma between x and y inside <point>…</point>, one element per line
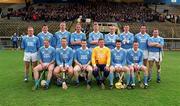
<point>111,77</point>
<point>36,82</point>
<point>150,74</point>
<point>133,78</point>
<point>88,81</point>
<point>26,76</point>
<point>145,79</point>
<point>77,80</point>
<point>47,82</point>
<point>116,75</point>
<point>128,79</point>
<point>158,75</point>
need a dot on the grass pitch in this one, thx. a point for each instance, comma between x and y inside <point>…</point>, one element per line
<point>14,92</point>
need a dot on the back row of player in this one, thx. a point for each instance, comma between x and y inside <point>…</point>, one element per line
<point>151,46</point>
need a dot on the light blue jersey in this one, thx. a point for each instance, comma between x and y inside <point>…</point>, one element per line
<point>94,36</point>
<point>134,57</point>
<point>129,37</point>
<point>77,37</point>
<point>118,57</point>
<point>59,35</point>
<point>46,55</point>
<point>83,56</point>
<point>110,40</point>
<point>42,36</point>
<point>30,44</point>
<point>64,56</point>
<point>159,40</point>
<point>142,40</point>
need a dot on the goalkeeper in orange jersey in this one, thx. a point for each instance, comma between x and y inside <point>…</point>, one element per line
<point>101,58</point>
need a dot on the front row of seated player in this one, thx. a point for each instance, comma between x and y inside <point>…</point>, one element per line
<point>101,63</point>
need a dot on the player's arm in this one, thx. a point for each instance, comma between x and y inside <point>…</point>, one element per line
<point>55,40</point>
<point>112,59</point>
<point>84,36</point>
<point>71,55</point>
<point>128,58</point>
<point>89,57</point>
<point>53,57</point>
<point>140,63</point>
<point>75,59</point>
<point>108,57</point>
<point>131,40</point>
<point>91,41</point>
<point>51,40</point>
<point>23,44</point>
<point>40,57</point>
<point>124,59</point>
<point>93,57</point>
<point>58,59</point>
<point>68,38</point>
<point>107,41</point>
<point>151,43</point>
<point>160,44</point>
<point>38,43</point>
<point>73,42</point>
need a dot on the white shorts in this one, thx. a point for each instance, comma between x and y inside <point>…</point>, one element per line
<point>155,56</point>
<point>45,64</point>
<point>30,57</point>
<point>145,54</point>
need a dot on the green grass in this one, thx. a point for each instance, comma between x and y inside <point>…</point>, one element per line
<point>14,92</point>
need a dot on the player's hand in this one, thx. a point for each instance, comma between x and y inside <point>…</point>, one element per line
<point>78,42</point>
<point>107,68</point>
<point>47,66</point>
<point>136,67</point>
<point>119,67</point>
<point>43,66</point>
<point>63,69</point>
<point>84,67</point>
<point>95,67</point>
<point>80,66</point>
<point>158,45</point>
<point>66,67</point>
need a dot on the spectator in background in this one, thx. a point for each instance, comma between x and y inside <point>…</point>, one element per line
<point>14,40</point>
<point>20,38</point>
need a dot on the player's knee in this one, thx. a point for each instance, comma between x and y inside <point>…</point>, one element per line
<point>76,68</point>
<point>70,71</point>
<point>56,70</point>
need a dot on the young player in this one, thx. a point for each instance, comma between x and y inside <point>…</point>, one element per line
<point>62,33</point>
<point>127,38</point>
<point>82,61</point>
<point>77,37</point>
<point>118,62</point>
<point>135,64</point>
<point>155,44</point>
<point>30,44</point>
<point>45,35</point>
<point>64,59</point>
<point>47,60</point>
<point>111,37</point>
<point>94,36</point>
<point>101,58</point>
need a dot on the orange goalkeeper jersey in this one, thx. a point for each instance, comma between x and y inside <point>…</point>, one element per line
<point>101,56</point>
